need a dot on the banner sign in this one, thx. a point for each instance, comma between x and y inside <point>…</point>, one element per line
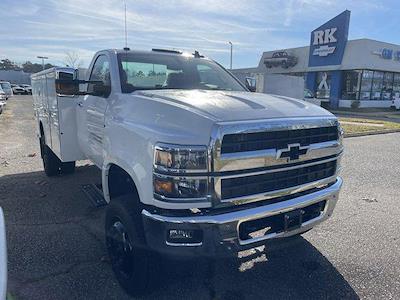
<point>328,41</point>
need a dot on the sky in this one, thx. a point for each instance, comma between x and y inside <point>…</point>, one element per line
<point>54,27</point>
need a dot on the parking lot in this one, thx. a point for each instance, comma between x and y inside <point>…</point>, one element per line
<point>56,248</point>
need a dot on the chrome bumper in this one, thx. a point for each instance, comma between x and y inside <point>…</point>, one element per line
<point>221,231</point>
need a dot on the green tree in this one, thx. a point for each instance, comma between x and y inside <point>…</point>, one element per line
<point>6,64</point>
<point>30,67</point>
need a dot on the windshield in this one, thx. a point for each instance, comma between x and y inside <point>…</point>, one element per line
<point>5,85</point>
<point>159,71</point>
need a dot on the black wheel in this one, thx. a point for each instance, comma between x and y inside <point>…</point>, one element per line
<point>68,167</point>
<point>134,266</point>
<point>51,163</point>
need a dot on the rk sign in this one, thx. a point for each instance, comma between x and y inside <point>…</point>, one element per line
<point>324,37</point>
<point>328,41</point>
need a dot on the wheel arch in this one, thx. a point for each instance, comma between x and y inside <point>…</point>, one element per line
<point>118,181</point>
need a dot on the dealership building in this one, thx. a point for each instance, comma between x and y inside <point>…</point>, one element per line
<point>341,73</point>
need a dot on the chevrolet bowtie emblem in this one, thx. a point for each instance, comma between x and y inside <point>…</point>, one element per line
<point>292,152</point>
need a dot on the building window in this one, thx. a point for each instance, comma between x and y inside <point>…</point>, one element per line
<point>387,87</point>
<point>377,84</point>
<point>351,85</point>
<point>396,86</point>
<point>323,85</point>
<point>370,85</point>
<point>366,84</point>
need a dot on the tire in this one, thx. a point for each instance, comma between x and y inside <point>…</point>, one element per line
<point>68,167</point>
<point>134,266</point>
<point>51,163</point>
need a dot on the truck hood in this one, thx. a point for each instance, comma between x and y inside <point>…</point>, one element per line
<point>236,106</point>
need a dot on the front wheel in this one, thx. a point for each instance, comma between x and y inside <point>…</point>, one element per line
<point>134,265</point>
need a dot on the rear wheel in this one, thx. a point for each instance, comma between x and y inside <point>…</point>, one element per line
<point>68,167</point>
<point>134,265</point>
<point>51,163</point>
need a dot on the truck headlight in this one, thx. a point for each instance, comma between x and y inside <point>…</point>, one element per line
<point>169,188</point>
<point>176,158</point>
<point>180,173</point>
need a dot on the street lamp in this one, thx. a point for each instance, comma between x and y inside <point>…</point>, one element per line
<point>230,43</point>
<point>43,58</point>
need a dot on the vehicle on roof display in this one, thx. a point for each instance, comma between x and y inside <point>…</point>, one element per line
<point>193,164</point>
<point>280,59</point>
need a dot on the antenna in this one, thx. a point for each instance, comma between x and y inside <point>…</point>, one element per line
<point>126,30</point>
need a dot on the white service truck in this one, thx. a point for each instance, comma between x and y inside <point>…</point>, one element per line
<point>193,164</point>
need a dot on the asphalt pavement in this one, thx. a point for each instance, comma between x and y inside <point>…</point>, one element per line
<point>56,243</point>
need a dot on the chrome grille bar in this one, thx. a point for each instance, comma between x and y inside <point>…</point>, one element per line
<point>247,163</point>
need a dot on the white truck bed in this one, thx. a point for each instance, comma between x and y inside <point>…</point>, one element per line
<point>56,114</point>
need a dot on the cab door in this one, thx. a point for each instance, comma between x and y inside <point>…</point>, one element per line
<point>91,112</point>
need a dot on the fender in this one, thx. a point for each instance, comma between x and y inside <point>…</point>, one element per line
<point>123,165</point>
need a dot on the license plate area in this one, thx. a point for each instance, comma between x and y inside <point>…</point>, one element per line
<point>285,222</point>
<point>293,219</point>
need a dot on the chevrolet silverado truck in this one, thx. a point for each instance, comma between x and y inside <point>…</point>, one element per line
<point>193,164</point>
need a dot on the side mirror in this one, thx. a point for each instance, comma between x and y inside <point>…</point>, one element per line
<point>66,84</point>
<point>251,84</point>
<point>99,89</point>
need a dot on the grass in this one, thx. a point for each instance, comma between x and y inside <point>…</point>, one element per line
<point>358,125</point>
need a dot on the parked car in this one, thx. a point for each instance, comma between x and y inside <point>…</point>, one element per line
<point>6,87</point>
<point>193,164</point>
<point>3,99</point>
<point>27,88</point>
<point>3,95</point>
<point>17,90</point>
<point>3,257</point>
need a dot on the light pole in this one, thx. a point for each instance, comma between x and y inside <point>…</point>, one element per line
<point>230,43</point>
<point>43,58</point>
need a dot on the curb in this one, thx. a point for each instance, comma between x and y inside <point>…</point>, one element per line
<point>366,133</point>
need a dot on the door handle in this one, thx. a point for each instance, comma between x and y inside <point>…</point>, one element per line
<point>80,103</point>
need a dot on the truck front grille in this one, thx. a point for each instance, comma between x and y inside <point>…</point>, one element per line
<point>268,182</point>
<point>241,142</point>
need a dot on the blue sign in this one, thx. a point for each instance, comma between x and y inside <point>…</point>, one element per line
<point>328,41</point>
<point>387,53</point>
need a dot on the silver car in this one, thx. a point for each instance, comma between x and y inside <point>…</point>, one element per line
<point>6,87</point>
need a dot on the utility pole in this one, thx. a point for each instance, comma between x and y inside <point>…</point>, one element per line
<point>43,58</point>
<point>230,43</point>
<point>126,29</point>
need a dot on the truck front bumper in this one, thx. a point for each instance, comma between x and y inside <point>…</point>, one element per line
<point>225,234</point>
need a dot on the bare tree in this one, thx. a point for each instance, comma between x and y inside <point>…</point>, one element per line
<point>72,59</point>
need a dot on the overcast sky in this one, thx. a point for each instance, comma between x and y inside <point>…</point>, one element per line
<point>50,28</point>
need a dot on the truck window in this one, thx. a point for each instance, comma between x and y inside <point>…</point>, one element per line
<point>100,72</point>
<point>159,71</point>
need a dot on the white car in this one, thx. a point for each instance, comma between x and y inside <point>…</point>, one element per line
<point>27,88</point>
<point>6,87</point>
<point>3,258</point>
<point>17,90</point>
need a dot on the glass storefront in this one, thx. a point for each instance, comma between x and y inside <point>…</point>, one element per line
<point>370,85</point>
